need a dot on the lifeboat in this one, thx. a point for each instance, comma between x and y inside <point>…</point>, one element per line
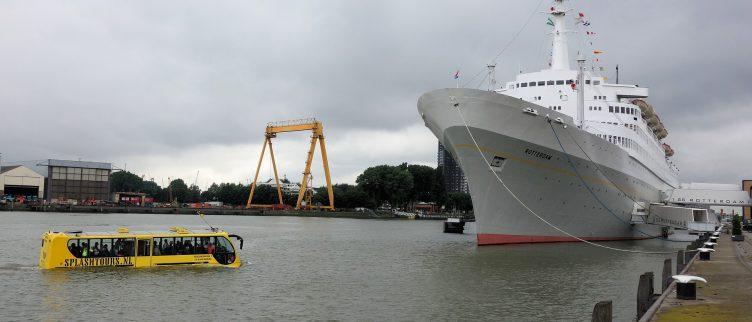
<point>667,148</point>
<point>647,109</point>
<point>661,132</point>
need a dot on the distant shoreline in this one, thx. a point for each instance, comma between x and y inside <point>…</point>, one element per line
<point>215,211</point>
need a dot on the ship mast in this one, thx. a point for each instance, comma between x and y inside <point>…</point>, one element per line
<point>581,91</point>
<point>559,52</point>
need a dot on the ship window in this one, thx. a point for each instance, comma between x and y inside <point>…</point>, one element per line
<point>596,82</point>
<point>559,82</point>
<point>517,85</point>
<point>523,84</point>
<point>569,81</point>
<point>622,110</point>
<point>610,109</point>
<point>587,82</point>
<point>549,82</point>
<point>599,108</point>
<point>532,84</point>
<point>541,83</point>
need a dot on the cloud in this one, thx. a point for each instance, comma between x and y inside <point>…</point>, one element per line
<point>237,163</point>
<point>172,87</point>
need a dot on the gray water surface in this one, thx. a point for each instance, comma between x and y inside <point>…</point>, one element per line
<point>323,268</point>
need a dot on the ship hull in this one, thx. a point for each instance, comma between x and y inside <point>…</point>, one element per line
<point>574,183</point>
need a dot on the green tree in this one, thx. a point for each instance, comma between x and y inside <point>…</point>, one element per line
<point>193,194</point>
<point>210,194</point>
<point>459,201</point>
<point>439,189</point>
<point>424,180</point>
<point>152,189</point>
<point>736,225</point>
<point>346,196</point>
<point>384,183</point>
<point>179,190</point>
<point>124,181</point>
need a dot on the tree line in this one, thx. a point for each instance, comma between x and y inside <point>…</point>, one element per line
<point>397,186</point>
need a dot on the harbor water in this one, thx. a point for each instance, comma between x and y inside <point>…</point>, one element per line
<point>299,268</point>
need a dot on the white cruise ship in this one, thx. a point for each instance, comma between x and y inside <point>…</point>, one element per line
<point>584,155</point>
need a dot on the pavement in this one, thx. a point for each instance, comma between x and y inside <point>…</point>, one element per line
<point>728,294</point>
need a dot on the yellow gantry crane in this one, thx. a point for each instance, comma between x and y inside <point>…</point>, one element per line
<point>317,129</point>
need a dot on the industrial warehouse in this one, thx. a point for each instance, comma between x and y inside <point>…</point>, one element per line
<point>55,181</point>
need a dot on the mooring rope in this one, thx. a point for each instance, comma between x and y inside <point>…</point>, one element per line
<point>488,164</point>
<point>589,189</point>
<point>609,180</point>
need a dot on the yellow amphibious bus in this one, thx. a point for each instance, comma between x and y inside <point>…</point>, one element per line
<point>178,246</point>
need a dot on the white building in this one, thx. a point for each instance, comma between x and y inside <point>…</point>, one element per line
<point>21,181</point>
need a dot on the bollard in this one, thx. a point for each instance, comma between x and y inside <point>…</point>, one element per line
<point>603,312</point>
<point>666,276</point>
<point>679,261</point>
<point>644,293</point>
<point>688,256</point>
<point>686,288</point>
<point>686,291</point>
<point>705,256</point>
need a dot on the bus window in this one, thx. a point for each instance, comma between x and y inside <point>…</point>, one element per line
<point>157,247</point>
<point>188,245</point>
<point>106,249</point>
<point>143,247</point>
<point>74,246</point>
<point>124,247</point>
<point>100,247</point>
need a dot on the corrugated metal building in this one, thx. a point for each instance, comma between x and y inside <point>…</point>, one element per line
<point>77,180</point>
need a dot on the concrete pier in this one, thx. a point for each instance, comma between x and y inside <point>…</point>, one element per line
<point>728,294</point>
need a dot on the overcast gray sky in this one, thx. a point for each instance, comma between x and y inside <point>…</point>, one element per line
<point>174,87</point>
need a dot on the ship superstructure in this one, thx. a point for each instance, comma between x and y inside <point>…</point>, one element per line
<point>589,172</point>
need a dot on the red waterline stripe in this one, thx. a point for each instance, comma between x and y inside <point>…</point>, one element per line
<point>500,239</point>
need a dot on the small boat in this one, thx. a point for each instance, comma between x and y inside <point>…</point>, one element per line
<point>176,246</point>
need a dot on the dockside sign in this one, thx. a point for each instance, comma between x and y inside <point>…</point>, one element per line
<point>711,201</point>
<point>710,197</point>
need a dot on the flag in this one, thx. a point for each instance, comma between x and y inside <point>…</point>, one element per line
<point>457,74</point>
<point>582,15</point>
<point>550,22</point>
